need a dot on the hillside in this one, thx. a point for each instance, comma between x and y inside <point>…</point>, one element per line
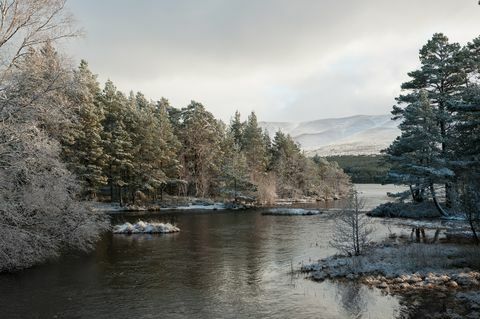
<point>354,135</point>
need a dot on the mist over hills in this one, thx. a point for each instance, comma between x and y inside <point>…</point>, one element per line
<point>353,135</point>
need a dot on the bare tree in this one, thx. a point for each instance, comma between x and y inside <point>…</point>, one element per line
<point>27,24</point>
<point>351,235</point>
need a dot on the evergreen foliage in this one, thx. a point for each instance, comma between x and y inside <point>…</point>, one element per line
<point>440,112</point>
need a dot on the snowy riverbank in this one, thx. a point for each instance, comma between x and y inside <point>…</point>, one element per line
<point>411,270</point>
<point>184,206</point>
<point>292,212</point>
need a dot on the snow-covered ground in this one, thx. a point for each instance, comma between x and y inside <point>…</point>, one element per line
<point>145,228</point>
<point>292,212</point>
<point>214,206</point>
<point>354,135</point>
<point>116,208</point>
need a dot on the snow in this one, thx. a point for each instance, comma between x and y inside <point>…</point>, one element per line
<point>292,212</point>
<point>397,264</point>
<point>214,206</point>
<point>142,227</point>
<point>355,135</point>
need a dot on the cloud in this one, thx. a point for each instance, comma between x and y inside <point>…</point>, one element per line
<point>287,60</point>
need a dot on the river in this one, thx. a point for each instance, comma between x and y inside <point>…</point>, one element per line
<point>221,265</point>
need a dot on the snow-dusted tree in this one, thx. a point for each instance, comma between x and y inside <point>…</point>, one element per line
<point>84,151</point>
<point>155,153</point>
<point>351,235</point>
<point>118,145</point>
<point>167,140</point>
<point>288,163</point>
<point>254,147</point>
<point>236,129</point>
<point>39,213</point>
<point>416,155</point>
<point>442,79</point>
<point>201,136</point>
<point>36,91</point>
<point>234,167</point>
<point>29,24</point>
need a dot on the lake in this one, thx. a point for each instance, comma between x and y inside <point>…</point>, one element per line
<point>222,264</point>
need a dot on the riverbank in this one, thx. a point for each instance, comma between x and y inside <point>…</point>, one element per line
<point>411,270</point>
<point>200,204</point>
<point>182,204</point>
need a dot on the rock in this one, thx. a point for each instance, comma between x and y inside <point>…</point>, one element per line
<point>382,285</point>
<point>465,279</point>
<point>414,279</point>
<point>405,285</point>
<point>452,284</point>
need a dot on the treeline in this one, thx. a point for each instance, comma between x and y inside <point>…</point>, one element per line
<point>129,149</point>
<point>366,169</point>
<point>440,129</point>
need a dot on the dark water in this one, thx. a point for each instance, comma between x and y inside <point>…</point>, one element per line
<point>221,265</point>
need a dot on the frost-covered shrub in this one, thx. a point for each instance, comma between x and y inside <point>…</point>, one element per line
<point>351,235</point>
<point>39,213</point>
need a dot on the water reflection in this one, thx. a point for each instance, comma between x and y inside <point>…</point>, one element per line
<point>221,265</point>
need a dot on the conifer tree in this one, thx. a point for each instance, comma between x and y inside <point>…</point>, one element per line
<point>443,79</point>
<point>201,136</point>
<point>237,128</point>
<point>254,147</point>
<point>118,144</point>
<point>416,154</point>
<point>234,167</point>
<point>85,155</point>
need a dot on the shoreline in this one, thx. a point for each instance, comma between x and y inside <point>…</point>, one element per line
<point>412,271</point>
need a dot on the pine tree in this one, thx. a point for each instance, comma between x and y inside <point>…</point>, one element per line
<point>254,147</point>
<point>85,155</point>
<point>417,154</point>
<point>201,137</point>
<point>118,144</point>
<point>443,79</point>
<point>237,128</point>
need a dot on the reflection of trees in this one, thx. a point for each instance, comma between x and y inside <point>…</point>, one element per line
<point>350,297</point>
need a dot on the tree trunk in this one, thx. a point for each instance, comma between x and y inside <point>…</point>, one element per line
<point>437,204</point>
<point>472,227</point>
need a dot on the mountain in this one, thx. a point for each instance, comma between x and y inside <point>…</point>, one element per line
<point>354,135</point>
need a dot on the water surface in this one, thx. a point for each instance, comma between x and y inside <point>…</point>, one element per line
<point>221,265</point>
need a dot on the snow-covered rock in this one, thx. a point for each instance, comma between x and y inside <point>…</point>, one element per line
<point>145,228</point>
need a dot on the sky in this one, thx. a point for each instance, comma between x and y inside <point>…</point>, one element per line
<point>287,60</point>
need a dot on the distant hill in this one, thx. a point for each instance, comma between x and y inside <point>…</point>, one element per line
<point>354,135</point>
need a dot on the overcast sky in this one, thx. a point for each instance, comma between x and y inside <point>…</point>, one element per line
<point>288,60</point>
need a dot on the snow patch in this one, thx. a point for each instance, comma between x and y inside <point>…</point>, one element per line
<point>142,227</point>
<point>214,206</point>
<point>292,212</point>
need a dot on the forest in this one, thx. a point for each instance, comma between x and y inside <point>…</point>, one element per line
<point>363,168</point>
<point>129,149</point>
<point>66,141</point>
